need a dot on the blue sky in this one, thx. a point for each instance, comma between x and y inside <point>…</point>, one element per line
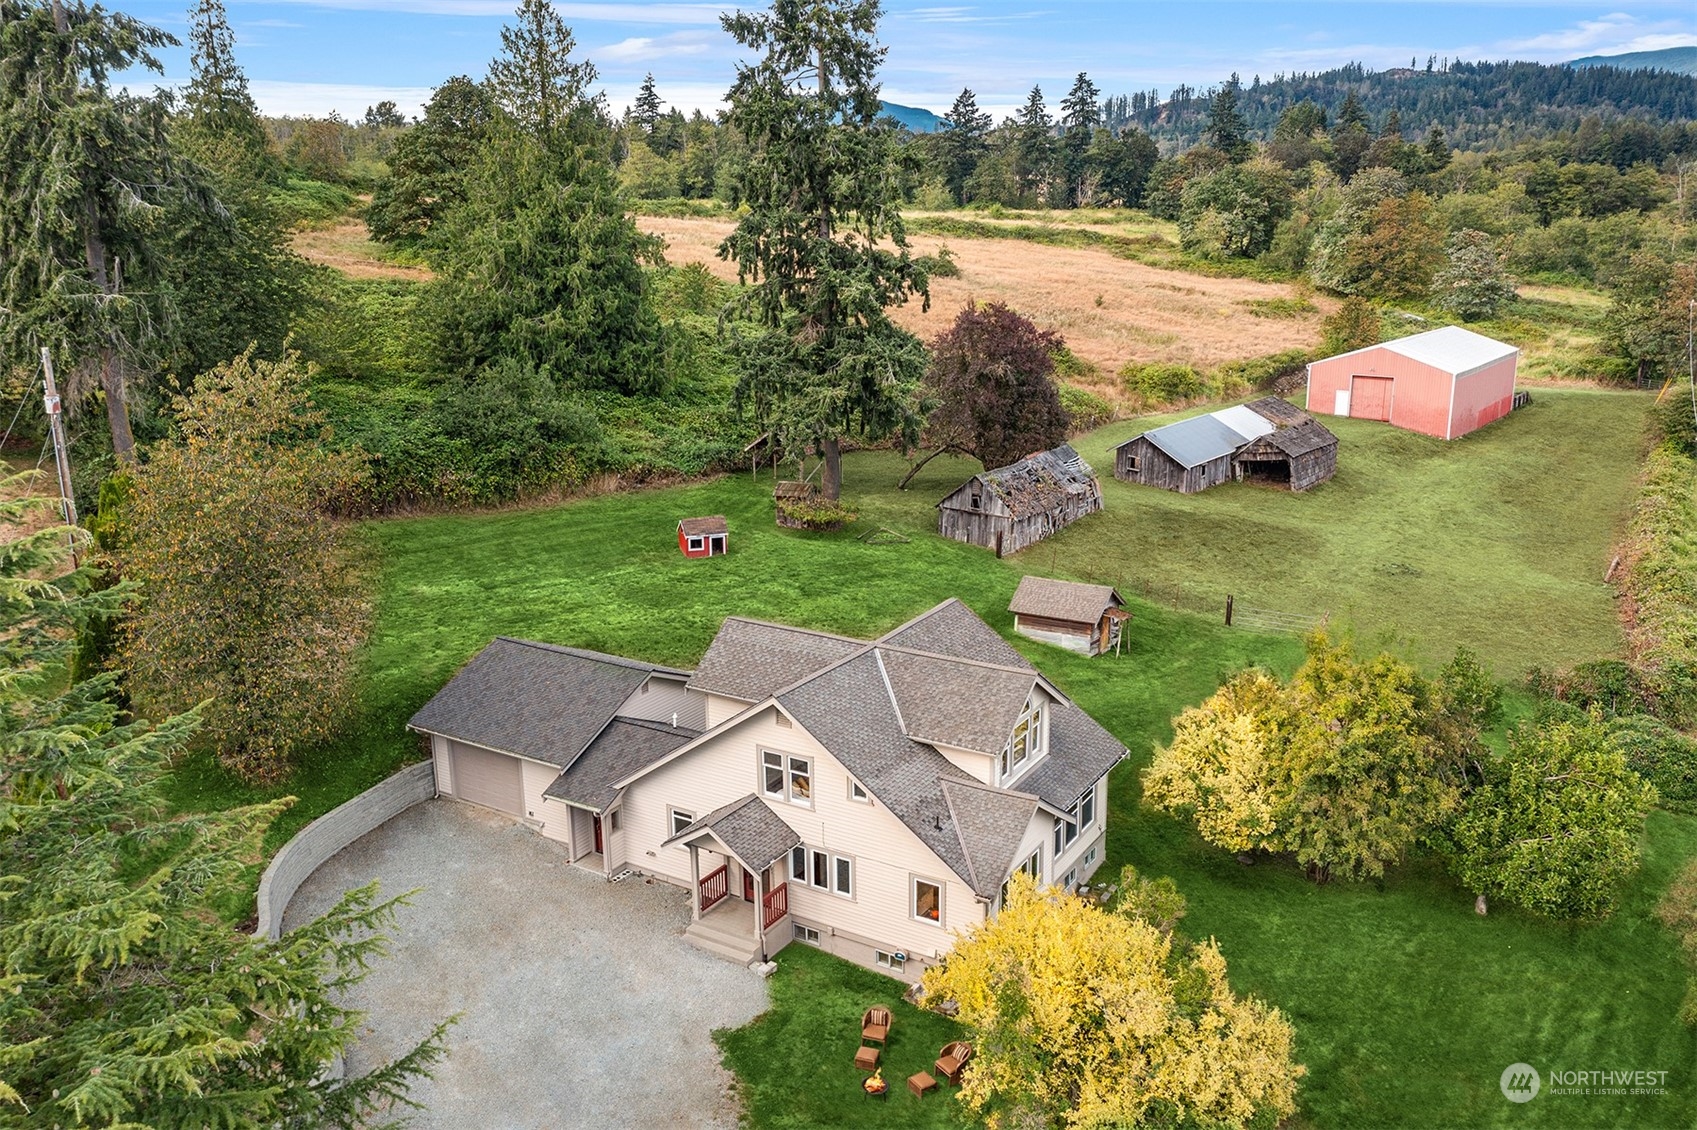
<point>311,56</point>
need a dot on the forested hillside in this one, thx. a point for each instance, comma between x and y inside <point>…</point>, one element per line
<point>1478,105</point>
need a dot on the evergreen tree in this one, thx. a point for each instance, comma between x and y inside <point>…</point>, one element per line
<point>85,173</point>
<point>1080,115</point>
<point>125,998</point>
<point>536,80</point>
<point>1226,129</point>
<point>1034,144</point>
<point>822,249</point>
<point>646,112</point>
<point>430,164</point>
<point>963,144</point>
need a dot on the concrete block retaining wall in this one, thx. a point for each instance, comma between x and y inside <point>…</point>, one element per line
<point>330,833</point>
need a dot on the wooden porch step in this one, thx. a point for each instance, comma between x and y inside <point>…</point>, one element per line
<point>739,949</point>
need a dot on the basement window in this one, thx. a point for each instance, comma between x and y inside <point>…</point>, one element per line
<point>804,933</point>
<point>893,962</point>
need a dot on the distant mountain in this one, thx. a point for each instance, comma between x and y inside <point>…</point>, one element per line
<point>914,118</point>
<point>1680,60</point>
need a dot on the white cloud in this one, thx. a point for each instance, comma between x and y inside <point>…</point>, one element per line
<point>1612,34</point>
<point>317,99</point>
<point>641,49</point>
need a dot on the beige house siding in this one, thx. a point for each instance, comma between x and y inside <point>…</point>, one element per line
<point>980,765</point>
<point>718,708</point>
<point>661,697</point>
<point>444,765</point>
<point>550,817</point>
<point>886,854</point>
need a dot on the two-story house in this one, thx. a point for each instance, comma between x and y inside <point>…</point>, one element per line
<point>867,797</point>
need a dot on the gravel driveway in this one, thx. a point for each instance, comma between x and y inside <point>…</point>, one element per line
<point>582,1005</point>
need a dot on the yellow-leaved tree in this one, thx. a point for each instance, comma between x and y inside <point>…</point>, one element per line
<point>1084,1017</point>
<point>1218,764</point>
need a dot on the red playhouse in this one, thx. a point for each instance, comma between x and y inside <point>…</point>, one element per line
<point>703,537</point>
<point>1445,382</point>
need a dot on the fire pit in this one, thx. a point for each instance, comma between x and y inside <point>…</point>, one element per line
<point>875,1086</point>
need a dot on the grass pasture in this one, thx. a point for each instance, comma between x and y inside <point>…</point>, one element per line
<point>1407,1005</point>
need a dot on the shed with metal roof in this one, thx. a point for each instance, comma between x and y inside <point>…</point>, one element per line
<point>1266,440</point>
<point>1444,382</point>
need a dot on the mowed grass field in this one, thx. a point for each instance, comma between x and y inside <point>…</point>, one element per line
<point>1407,1005</point>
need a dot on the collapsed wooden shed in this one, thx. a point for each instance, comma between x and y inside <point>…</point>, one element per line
<point>1298,453</point>
<point>1009,508</point>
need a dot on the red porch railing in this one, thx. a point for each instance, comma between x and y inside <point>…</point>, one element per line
<point>777,903</point>
<point>714,886</point>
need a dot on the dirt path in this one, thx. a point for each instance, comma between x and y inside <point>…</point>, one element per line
<point>1110,310</point>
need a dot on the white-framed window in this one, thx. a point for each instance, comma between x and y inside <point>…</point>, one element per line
<point>613,819</point>
<point>927,900</point>
<point>1032,867</point>
<point>822,870</point>
<point>804,933</point>
<point>1066,831</point>
<point>890,961</point>
<point>1026,744</point>
<point>858,793</point>
<point>784,776</point>
<point>681,819</point>
<point>1089,858</point>
<point>1071,880</point>
<point>695,543</point>
<point>1087,807</point>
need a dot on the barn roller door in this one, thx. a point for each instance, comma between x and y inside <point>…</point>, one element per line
<point>493,780</point>
<point>1370,398</point>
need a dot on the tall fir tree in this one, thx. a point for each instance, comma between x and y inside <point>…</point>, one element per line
<point>1227,130</point>
<point>1081,113</point>
<point>822,249</point>
<point>1034,143</point>
<point>963,144</point>
<point>536,80</point>
<point>647,110</point>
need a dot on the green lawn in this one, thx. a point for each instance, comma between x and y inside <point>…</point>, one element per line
<point>1407,1005</point>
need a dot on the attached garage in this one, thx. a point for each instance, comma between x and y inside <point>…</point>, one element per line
<point>1444,383</point>
<point>484,777</point>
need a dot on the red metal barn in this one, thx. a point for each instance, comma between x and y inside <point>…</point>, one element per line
<point>1445,382</point>
<point>703,537</point>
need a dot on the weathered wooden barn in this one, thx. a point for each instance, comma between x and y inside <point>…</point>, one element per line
<point>1444,382</point>
<point>1009,508</point>
<point>1267,440</point>
<point>1078,617</point>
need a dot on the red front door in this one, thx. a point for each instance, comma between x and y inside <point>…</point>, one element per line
<point>598,847</point>
<point>747,886</point>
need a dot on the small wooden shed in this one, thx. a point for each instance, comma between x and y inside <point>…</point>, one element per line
<point>1298,453</point>
<point>704,537</point>
<point>1012,507</point>
<point>1266,440</point>
<point>1444,382</point>
<point>1084,618</point>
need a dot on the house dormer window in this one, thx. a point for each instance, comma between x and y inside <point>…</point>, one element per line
<point>1027,743</point>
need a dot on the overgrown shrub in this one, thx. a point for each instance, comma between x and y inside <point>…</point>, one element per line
<point>813,514</point>
<point>1069,366</point>
<point>1258,372</point>
<point>941,265</point>
<point>1661,755</point>
<point>303,201</point>
<point>1085,410</point>
<point>1163,383</point>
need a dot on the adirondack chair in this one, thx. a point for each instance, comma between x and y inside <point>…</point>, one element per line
<point>875,1025</point>
<point>951,1061</point>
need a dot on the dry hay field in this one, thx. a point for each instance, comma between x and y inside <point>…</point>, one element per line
<point>346,246</point>
<point>1109,310</point>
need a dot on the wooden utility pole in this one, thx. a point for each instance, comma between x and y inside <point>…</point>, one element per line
<point>61,457</point>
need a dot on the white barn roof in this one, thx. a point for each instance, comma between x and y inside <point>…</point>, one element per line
<point>1452,349</point>
<point>1245,421</point>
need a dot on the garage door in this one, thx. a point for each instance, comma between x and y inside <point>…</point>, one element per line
<point>493,780</point>
<point>1370,398</point>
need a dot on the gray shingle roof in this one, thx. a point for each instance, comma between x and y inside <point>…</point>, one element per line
<point>699,527</point>
<point>624,747</point>
<point>751,660</point>
<point>955,702</point>
<point>1296,439</point>
<point>847,709</point>
<point>1062,600</point>
<point>951,628</point>
<point>991,823</point>
<point>749,828</point>
<point>1039,483</point>
<point>1080,751</point>
<point>1279,410</point>
<point>534,699</point>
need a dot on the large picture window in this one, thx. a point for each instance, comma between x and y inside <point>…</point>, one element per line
<point>1026,744</point>
<point>786,777</point>
<point>927,900</point>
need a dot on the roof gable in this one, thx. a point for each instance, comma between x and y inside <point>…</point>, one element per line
<point>1452,349</point>
<point>748,827</point>
<point>956,702</point>
<point>992,823</point>
<point>537,700</point>
<point>953,629</point>
<point>625,746</point>
<point>1198,440</point>
<point>751,660</point>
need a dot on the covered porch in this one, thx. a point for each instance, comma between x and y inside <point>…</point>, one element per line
<point>739,894</point>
